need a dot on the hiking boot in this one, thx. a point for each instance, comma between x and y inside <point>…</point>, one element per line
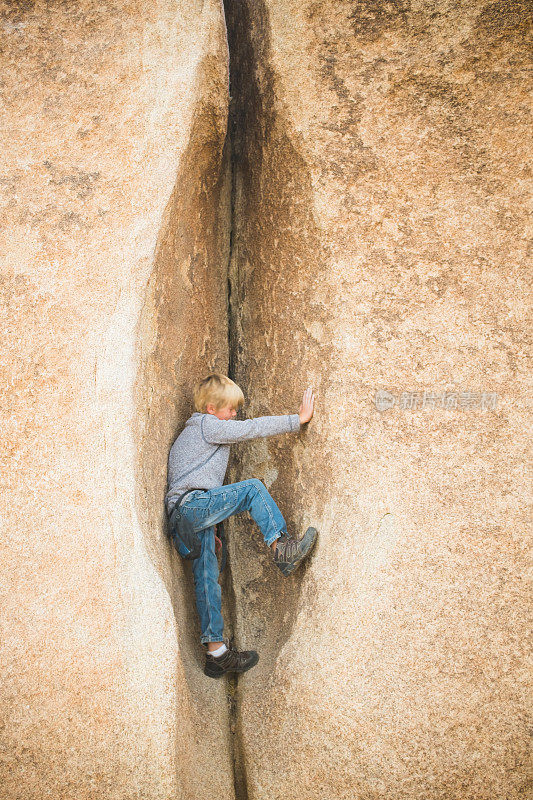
<point>290,552</point>
<point>230,661</point>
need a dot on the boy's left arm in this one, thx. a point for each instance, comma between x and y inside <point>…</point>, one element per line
<point>225,431</point>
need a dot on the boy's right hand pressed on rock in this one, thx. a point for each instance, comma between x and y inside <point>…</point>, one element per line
<point>307,408</point>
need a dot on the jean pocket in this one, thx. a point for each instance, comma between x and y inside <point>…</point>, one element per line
<point>195,499</point>
<point>200,500</point>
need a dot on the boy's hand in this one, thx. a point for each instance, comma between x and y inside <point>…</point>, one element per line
<point>307,408</point>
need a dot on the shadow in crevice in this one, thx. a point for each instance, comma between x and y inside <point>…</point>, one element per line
<point>182,330</point>
<point>272,220</point>
<point>182,333</point>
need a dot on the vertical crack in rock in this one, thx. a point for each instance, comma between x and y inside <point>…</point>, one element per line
<point>250,125</point>
<point>239,771</point>
<point>395,156</point>
<point>273,219</point>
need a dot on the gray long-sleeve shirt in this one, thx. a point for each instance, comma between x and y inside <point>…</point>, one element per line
<point>198,459</point>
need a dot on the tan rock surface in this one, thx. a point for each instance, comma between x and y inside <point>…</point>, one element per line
<point>114,234</point>
<point>382,171</point>
<point>381,175</point>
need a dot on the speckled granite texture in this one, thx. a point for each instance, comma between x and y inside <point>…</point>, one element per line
<point>382,166</point>
<point>377,179</point>
<point>114,237</point>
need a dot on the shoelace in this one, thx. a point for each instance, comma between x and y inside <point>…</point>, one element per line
<point>231,656</point>
<point>287,550</point>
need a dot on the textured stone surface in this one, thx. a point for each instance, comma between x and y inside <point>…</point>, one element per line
<point>114,237</point>
<point>380,181</point>
<point>382,172</point>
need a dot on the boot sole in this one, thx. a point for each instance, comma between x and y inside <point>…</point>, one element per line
<point>292,567</point>
<point>221,674</point>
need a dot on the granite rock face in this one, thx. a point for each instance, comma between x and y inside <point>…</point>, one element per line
<point>114,239</point>
<point>377,177</point>
<point>381,166</point>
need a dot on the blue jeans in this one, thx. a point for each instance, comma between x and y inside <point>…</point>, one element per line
<point>204,510</point>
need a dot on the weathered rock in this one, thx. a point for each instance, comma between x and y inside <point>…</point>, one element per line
<point>115,213</point>
<point>381,168</point>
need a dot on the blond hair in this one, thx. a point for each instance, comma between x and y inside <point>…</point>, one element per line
<point>219,390</point>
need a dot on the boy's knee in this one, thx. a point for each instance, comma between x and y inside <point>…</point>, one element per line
<point>257,484</point>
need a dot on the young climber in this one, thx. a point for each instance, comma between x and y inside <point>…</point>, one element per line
<point>198,460</point>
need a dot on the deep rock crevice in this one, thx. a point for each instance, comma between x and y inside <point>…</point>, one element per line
<point>234,349</point>
<point>252,128</point>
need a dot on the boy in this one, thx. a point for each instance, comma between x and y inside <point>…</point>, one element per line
<point>198,459</point>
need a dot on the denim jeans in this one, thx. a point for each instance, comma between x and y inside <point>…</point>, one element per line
<point>204,510</point>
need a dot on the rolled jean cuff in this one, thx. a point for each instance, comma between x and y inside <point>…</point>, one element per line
<point>206,639</point>
<point>274,538</point>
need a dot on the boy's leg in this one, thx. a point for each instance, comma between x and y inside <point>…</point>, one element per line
<point>205,509</point>
<point>208,591</point>
<point>255,498</point>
